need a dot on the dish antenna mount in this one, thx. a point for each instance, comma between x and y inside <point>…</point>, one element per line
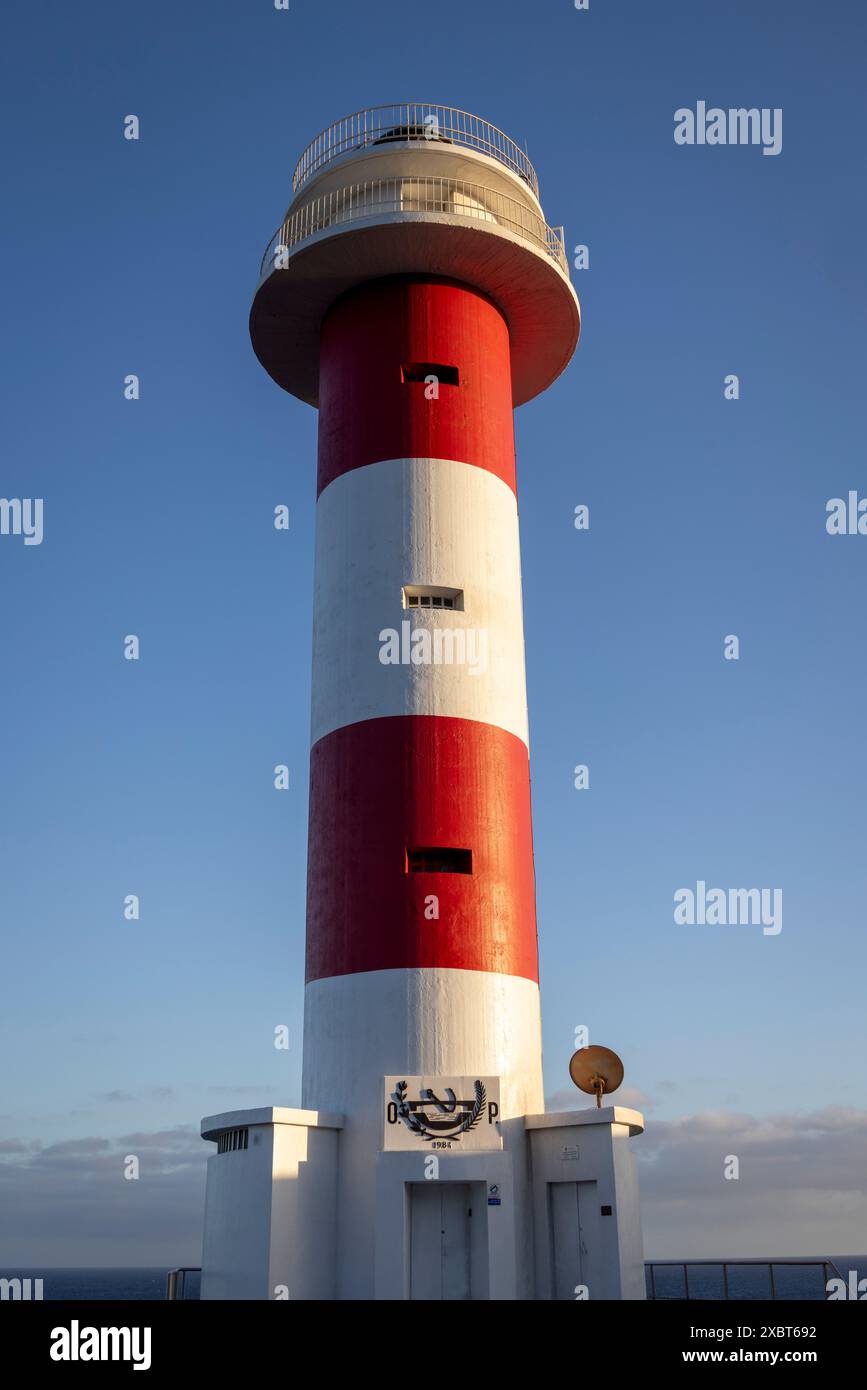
<point>596,1070</point>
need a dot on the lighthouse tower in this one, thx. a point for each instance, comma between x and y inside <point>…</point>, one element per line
<point>415,295</point>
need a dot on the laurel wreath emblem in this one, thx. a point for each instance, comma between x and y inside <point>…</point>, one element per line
<point>417,1126</point>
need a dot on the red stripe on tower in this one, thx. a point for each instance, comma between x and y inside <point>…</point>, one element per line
<point>385,790</point>
<point>376,336</point>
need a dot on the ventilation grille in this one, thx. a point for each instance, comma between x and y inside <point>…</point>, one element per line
<point>233,1139</point>
<point>432,596</point>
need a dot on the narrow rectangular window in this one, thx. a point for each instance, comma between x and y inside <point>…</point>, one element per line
<point>438,859</point>
<point>445,374</point>
<point>432,596</point>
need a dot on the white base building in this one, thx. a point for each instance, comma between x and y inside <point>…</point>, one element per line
<point>552,1215</point>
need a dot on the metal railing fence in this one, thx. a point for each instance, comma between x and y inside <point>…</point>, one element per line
<point>176,1282</point>
<point>378,197</point>
<point>176,1279</point>
<point>405,122</point>
<point>651,1266</point>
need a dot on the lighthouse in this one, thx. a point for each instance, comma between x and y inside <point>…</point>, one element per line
<point>415,295</point>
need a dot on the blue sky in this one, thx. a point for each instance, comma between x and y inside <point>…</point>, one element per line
<point>707,518</point>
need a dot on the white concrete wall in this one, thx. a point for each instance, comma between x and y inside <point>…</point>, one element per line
<point>304,1211</point>
<point>271,1209</point>
<point>629,1233</point>
<point>602,1139</point>
<point>236,1247</point>
<point>361,1028</point>
<point>447,524</point>
<point>279,1221</point>
<point>434,159</point>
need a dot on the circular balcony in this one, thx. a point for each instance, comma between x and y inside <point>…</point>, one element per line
<point>412,190</point>
<point>428,197</point>
<point>407,123</point>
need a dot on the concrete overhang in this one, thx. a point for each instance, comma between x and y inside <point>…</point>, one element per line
<point>535,295</point>
<point>607,1115</point>
<point>215,1125</point>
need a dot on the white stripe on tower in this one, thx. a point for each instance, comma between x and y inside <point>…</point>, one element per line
<point>417,522</point>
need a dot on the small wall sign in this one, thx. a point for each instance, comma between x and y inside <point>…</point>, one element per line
<point>441,1112</point>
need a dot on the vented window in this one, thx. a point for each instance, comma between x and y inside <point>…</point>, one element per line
<point>232,1140</point>
<point>432,596</point>
<point>445,374</point>
<point>439,860</point>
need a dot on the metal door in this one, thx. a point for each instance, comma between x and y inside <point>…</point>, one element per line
<point>440,1240</point>
<point>574,1237</point>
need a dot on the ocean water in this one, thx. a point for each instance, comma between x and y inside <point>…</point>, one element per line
<point>136,1285</point>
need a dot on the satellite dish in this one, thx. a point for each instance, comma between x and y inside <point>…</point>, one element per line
<point>596,1070</point>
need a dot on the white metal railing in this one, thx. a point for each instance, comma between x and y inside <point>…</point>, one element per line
<point>409,121</point>
<point>378,197</point>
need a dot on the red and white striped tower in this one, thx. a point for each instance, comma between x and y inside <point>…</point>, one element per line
<point>415,249</point>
